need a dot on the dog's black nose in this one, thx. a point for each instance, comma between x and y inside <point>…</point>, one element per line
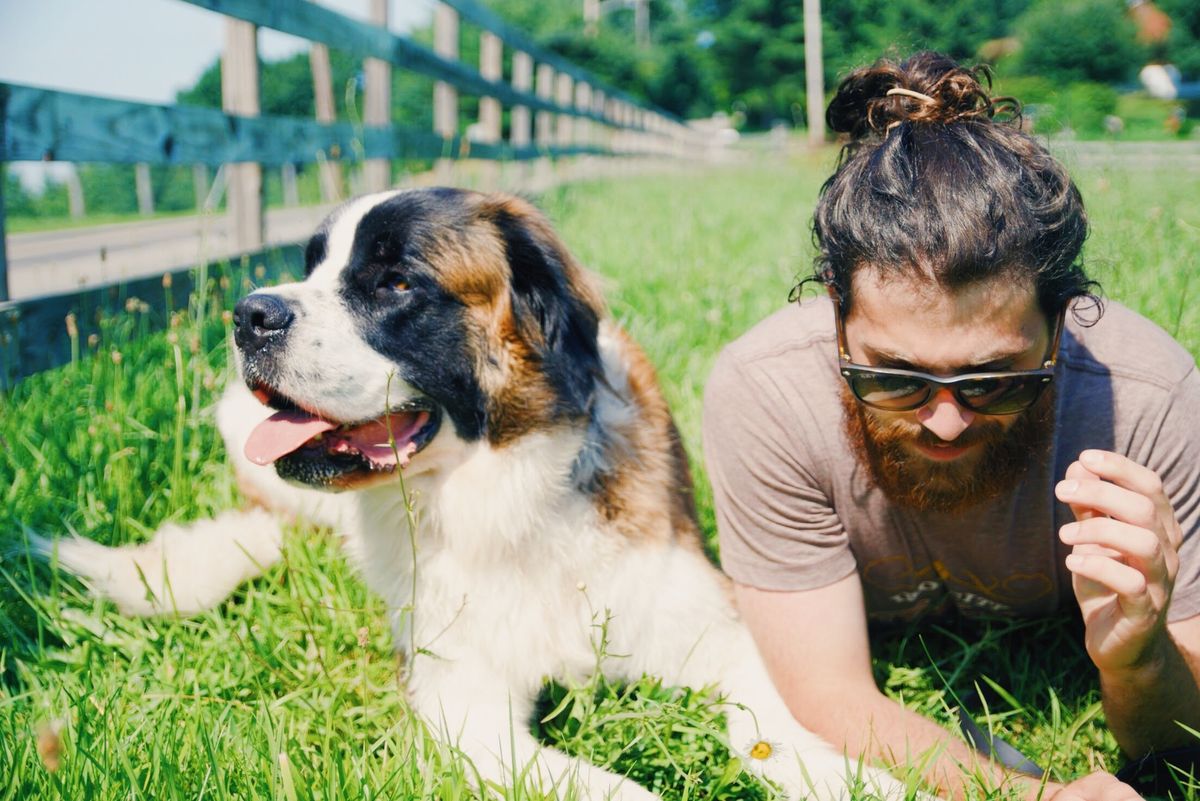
<point>259,319</point>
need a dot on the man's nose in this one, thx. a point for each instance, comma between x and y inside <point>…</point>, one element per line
<point>944,416</point>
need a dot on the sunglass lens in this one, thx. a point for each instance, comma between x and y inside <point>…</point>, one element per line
<point>1001,395</point>
<point>894,392</point>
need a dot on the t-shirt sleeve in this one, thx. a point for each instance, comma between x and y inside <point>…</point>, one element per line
<point>776,527</point>
<point>1174,454</point>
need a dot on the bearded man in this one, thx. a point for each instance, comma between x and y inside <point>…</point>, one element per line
<point>960,428</point>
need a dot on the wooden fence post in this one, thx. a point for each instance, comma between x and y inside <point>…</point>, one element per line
<point>491,67</point>
<point>378,113</point>
<point>3,242</point>
<point>330,170</point>
<point>75,203</point>
<point>564,97</point>
<point>445,96</point>
<point>583,126</point>
<point>545,120</point>
<point>519,135</point>
<point>616,137</point>
<point>145,189</point>
<point>287,177</point>
<point>239,95</point>
<point>544,127</point>
<point>599,129</point>
<point>520,128</point>
<point>200,186</point>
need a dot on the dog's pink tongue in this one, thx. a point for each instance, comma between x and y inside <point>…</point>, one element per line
<point>282,433</point>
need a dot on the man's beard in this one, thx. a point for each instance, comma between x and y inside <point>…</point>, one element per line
<point>994,467</point>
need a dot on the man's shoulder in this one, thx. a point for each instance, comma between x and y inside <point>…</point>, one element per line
<point>1125,346</point>
<point>796,330</point>
<point>785,365</point>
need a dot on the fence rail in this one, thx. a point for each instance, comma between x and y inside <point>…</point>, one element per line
<point>48,125</point>
<point>567,112</point>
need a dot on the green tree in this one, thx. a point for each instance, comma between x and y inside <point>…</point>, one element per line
<point>286,86</point>
<point>760,46</point>
<point>18,201</point>
<point>674,73</point>
<point>760,43</point>
<point>108,188</point>
<point>1183,44</point>
<point>1079,40</point>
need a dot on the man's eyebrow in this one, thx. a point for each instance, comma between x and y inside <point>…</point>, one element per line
<point>994,361</point>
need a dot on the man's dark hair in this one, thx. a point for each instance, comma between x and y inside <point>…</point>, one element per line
<point>939,181</point>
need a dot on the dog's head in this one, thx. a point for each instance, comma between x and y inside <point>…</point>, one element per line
<point>425,315</point>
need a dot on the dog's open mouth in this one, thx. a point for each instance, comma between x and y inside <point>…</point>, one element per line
<point>314,450</point>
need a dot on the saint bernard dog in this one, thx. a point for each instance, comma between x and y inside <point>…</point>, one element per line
<point>446,390</point>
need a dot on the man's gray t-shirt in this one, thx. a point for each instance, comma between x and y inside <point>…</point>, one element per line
<point>796,511</point>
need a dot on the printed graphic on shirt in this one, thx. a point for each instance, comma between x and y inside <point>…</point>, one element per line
<point>899,590</point>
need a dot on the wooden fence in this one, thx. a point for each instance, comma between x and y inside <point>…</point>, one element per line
<point>557,110</point>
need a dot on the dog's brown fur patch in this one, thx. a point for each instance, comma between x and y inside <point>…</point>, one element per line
<point>523,399</point>
<point>648,493</point>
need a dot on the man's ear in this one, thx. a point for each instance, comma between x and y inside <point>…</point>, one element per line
<point>556,310</point>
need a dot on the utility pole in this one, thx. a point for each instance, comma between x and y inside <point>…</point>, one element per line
<point>641,23</point>
<point>591,17</point>
<point>814,72</point>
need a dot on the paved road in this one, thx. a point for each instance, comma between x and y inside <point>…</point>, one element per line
<point>49,262</point>
<point>1180,155</point>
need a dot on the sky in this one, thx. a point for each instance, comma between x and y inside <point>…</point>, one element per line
<point>145,50</point>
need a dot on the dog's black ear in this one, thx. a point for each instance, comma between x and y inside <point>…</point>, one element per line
<point>555,308</point>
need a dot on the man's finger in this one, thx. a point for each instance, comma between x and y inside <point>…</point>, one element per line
<point>1140,548</point>
<point>1109,499</point>
<point>1077,472</point>
<point>1116,577</point>
<point>1123,471</point>
<point>1097,787</point>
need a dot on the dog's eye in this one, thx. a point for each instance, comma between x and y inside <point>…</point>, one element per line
<point>392,281</point>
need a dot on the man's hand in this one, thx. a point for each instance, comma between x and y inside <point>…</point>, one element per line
<point>1095,787</point>
<point>1124,557</point>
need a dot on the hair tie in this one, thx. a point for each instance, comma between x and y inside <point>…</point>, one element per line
<point>896,90</point>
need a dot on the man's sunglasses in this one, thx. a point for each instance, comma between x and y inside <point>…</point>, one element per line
<point>895,390</point>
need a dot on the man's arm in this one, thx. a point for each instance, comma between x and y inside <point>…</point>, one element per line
<point>815,646</point>
<point>1124,560</point>
<point>1143,704</point>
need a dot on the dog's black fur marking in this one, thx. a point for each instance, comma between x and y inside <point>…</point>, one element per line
<point>561,327</point>
<point>315,253</point>
<point>389,244</point>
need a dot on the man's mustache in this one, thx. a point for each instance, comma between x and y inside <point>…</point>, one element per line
<point>893,432</point>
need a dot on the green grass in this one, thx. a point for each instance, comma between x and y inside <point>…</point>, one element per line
<point>289,690</point>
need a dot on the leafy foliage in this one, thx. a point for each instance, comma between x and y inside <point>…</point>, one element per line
<point>20,202</point>
<point>1079,40</point>
<point>1183,43</point>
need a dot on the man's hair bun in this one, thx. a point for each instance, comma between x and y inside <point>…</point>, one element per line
<point>927,88</point>
<point>934,185</point>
